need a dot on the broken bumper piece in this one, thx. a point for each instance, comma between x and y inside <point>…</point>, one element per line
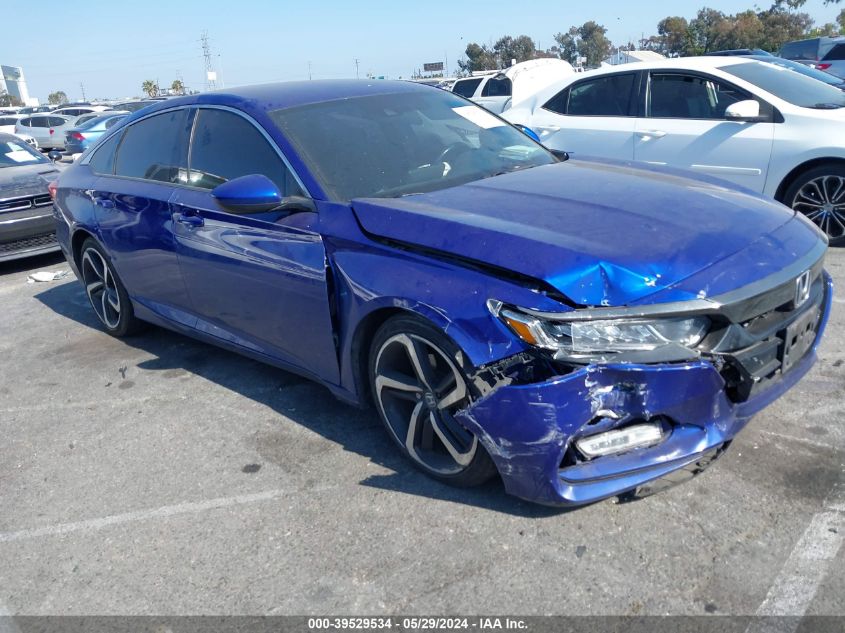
<point>531,430</point>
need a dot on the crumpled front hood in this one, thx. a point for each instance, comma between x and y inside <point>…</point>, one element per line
<point>26,180</point>
<point>601,233</point>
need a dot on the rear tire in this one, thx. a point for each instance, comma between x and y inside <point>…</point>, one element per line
<point>418,383</point>
<point>819,194</point>
<point>105,291</point>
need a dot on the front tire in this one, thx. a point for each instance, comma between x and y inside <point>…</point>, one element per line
<point>106,292</point>
<point>418,384</point>
<point>819,194</point>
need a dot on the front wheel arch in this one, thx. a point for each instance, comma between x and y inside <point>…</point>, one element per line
<point>798,171</point>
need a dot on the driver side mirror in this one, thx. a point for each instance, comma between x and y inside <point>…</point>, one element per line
<point>256,193</point>
<point>748,110</point>
<point>54,155</point>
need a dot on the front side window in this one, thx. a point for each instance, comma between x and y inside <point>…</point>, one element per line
<point>155,148</point>
<point>466,87</point>
<point>677,96</point>
<point>602,96</point>
<point>227,146</point>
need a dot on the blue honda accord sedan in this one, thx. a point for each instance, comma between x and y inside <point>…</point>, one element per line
<point>584,329</point>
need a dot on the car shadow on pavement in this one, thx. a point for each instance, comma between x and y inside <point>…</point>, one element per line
<point>301,400</point>
<point>53,261</point>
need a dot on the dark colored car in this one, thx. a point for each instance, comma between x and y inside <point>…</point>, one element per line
<point>27,226</point>
<point>132,106</point>
<point>584,328</point>
<point>79,138</point>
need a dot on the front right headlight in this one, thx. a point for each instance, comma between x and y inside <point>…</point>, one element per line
<point>606,336</point>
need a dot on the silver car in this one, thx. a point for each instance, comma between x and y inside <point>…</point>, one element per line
<point>47,129</point>
<point>823,53</point>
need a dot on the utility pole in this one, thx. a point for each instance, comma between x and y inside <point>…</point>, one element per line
<point>82,87</point>
<point>309,71</point>
<point>210,84</point>
<point>356,68</point>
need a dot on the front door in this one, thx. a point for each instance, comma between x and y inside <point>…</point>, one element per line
<point>685,127</point>
<point>257,280</point>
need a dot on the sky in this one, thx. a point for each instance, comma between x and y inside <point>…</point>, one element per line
<point>111,48</point>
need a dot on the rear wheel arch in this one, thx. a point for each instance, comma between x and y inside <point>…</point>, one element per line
<point>76,242</point>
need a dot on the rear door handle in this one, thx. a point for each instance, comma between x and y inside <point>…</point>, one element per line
<point>647,134</point>
<point>188,219</point>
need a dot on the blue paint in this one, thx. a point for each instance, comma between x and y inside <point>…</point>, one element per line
<point>295,289</point>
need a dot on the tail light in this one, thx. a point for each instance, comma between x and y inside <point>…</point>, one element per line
<point>76,136</point>
<point>52,188</point>
<point>823,66</point>
<point>51,131</point>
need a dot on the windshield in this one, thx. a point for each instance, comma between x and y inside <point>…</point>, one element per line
<point>400,144</point>
<point>788,85</point>
<point>802,69</point>
<point>17,152</point>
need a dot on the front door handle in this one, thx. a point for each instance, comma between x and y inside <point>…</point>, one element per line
<point>188,219</point>
<point>647,134</point>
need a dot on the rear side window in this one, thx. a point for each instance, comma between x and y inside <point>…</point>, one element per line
<point>837,53</point>
<point>26,122</point>
<point>602,96</point>
<point>227,146</point>
<point>8,120</point>
<point>102,160</point>
<point>155,148</point>
<point>56,121</point>
<point>466,87</point>
<point>804,49</point>
<point>39,121</point>
<point>497,88</point>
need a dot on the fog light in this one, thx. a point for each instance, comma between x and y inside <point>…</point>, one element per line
<point>619,440</point>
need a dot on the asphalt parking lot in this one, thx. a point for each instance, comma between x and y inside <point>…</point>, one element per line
<point>158,475</point>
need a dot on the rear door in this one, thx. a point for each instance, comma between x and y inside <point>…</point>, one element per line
<point>132,207</point>
<point>685,126</point>
<point>591,117</point>
<point>257,280</point>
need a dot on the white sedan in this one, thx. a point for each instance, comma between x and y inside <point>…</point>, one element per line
<point>758,125</point>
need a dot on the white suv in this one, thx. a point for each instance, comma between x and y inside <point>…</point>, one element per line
<point>758,125</point>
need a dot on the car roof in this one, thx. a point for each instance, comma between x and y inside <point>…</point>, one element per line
<point>289,94</point>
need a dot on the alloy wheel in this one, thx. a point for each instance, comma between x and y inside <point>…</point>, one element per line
<point>101,288</point>
<point>418,389</point>
<point>822,200</point>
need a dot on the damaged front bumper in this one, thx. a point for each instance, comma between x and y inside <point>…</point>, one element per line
<point>530,430</point>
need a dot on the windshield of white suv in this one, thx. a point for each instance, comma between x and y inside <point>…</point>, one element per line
<point>400,144</point>
<point>790,86</point>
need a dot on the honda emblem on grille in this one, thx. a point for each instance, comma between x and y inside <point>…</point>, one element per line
<point>802,288</point>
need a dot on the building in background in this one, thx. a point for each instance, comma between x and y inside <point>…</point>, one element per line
<point>13,82</point>
<point>626,57</point>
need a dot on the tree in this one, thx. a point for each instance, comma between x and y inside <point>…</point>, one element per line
<point>479,57</point>
<point>508,48</point>
<point>840,20</point>
<point>150,87</point>
<point>588,40</point>
<point>674,36</point>
<point>178,87</point>
<point>7,100</point>
<point>57,98</point>
<point>781,26</point>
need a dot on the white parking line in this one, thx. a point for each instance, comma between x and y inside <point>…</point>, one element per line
<point>143,515</point>
<point>798,581</point>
